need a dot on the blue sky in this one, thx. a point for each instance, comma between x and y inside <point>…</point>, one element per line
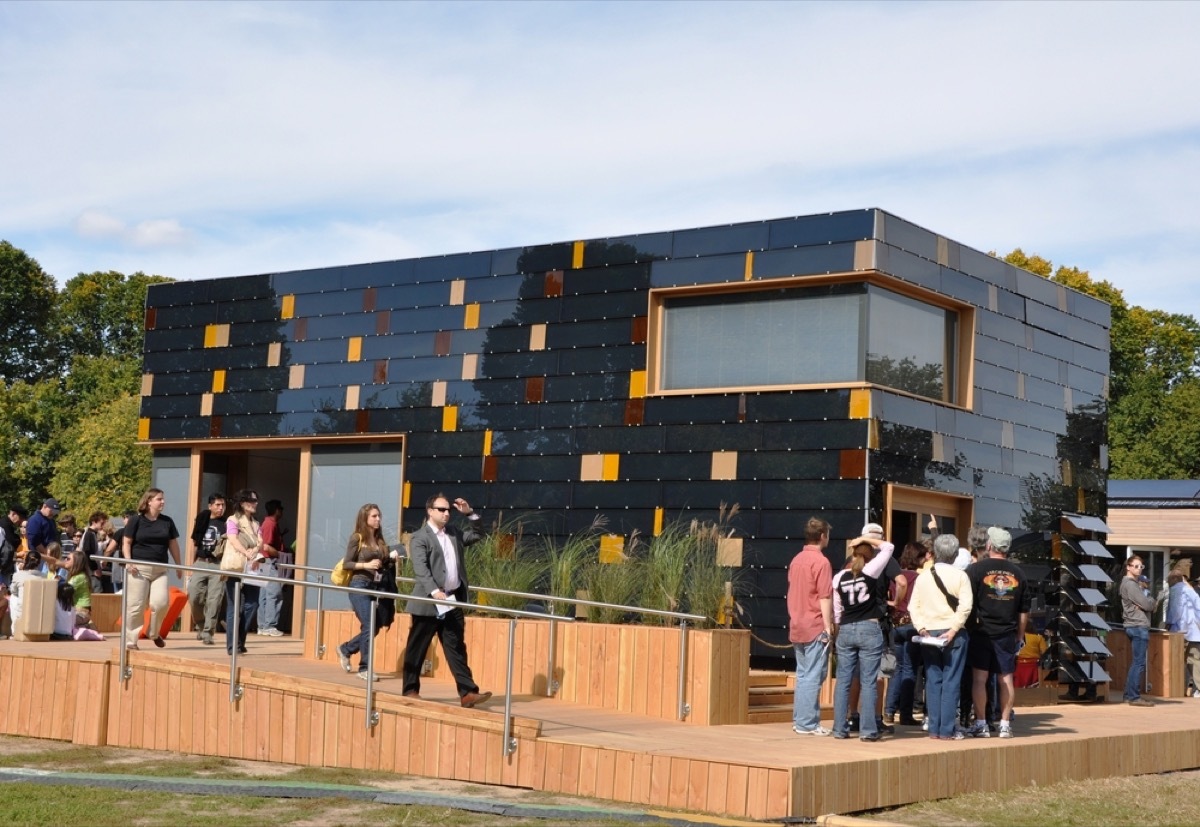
<point>207,139</point>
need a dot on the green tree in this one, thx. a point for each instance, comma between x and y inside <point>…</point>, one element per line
<point>103,313</point>
<point>101,466</point>
<point>28,339</point>
<point>32,418</point>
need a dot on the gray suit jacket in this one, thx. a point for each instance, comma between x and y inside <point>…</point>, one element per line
<point>429,563</point>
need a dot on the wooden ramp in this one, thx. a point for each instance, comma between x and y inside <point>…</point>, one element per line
<point>294,710</point>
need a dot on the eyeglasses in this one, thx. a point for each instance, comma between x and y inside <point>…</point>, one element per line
<point>439,508</point>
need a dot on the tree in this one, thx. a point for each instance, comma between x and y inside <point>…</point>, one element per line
<point>103,313</point>
<point>32,418</point>
<point>28,339</point>
<point>101,466</point>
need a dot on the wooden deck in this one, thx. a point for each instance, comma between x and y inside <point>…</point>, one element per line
<point>296,710</point>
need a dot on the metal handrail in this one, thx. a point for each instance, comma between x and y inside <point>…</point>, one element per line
<point>682,707</point>
<point>372,717</point>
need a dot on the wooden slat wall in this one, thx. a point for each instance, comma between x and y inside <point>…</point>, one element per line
<point>1169,527</point>
<point>54,697</point>
<point>625,668</point>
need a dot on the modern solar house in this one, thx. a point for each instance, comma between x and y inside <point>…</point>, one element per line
<point>852,366</point>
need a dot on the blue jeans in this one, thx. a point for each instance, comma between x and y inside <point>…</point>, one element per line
<point>361,604</point>
<point>943,682</point>
<point>1139,642</point>
<point>904,682</point>
<point>270,597</point>
<point>859,648</point>
<point>812,662</point>
<point>249,607</point>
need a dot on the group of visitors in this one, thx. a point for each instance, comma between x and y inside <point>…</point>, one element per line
<point>936,616</point>
<point>47,545</point>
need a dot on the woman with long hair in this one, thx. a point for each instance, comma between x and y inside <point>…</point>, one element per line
<point>149,537</point>
<point>859,604</point>
<point>371,566</point>
<point>242,530</point>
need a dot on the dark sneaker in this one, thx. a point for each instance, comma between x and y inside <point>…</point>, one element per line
<point>874,736</point>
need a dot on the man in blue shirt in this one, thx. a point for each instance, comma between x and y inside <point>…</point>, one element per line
<point>40,530</point>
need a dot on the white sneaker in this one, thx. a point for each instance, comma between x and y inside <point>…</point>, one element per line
<point>271,632</point>
<point>1006,729</point>
<point>366,676</point>
<point>818,730</point>
<point>344,660</point>
<point>980,730</point>
<point>925,725</point>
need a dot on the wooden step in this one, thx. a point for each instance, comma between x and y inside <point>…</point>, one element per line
<point>770,696</point>
<point>775,714</point>
<point>763,677</point>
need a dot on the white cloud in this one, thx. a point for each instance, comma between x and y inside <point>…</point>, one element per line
<point>254,137</point>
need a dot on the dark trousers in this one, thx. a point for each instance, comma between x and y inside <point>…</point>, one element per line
<point>249,610</point>
<point>450,630</point>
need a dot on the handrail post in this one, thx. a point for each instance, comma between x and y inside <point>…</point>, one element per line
<point>126,672</point>
<point>551,683</point>
<point>683,634</point>
<point>234,636</point>
<point>372,716</point>
<point>510,743</point>
<point>320,641</point>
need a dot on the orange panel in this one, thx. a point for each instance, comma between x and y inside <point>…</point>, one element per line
<point>852,464</point>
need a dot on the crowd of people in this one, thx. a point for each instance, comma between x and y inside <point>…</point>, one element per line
<point>48,545</point>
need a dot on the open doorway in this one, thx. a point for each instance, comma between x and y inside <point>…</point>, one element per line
<point>909,510</point>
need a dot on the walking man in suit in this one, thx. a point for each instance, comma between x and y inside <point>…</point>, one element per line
<point>436,550</point>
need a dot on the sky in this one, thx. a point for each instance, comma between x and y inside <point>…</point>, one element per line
<point>210,139</point>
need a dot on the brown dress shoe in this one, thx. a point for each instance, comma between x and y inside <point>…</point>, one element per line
<point>472,698</point>
<point>412,693</point>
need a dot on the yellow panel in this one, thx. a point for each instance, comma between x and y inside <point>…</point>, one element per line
<point>749,265</point>
<point>658,520</point>
<point>537,337</point>
<point>450,418</point>
<point>289,307</point>
<point>218,385</point>
<point>147,384</point>
<point>471,317</point>
<point>354,350</point>
<point>407,494</point>
<point>143,428</point>
<point>612,548</point>
<point>860,403</point>
<point>591,467</point>
<point>612,465</point>
<point>458,292</point>
<point>487,443</point>
<point>210,335</point>
<point>637,384</point>
<point>577,255</point>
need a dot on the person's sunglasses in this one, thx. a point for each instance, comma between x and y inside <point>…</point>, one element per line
<point>439,508</point>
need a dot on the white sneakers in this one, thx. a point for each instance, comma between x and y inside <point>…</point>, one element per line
<point>818,730</point>
<point>1006,729</point>
<point>979,729</point>
<point>270,632</point>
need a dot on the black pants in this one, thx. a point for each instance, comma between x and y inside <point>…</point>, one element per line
<point>450,630</point>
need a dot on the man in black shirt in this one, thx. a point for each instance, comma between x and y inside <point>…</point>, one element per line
<point>205,591</point>
<point>998,619</point>
<point>10,541</point>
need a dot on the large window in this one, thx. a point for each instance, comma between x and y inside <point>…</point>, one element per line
<point>844,332</point>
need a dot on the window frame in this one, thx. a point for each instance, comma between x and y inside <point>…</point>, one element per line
<point>964,353</point>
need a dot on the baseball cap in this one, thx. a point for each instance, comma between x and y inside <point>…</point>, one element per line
<point>872,529</point>
<point>1000,538</point>
<point>52,503</point>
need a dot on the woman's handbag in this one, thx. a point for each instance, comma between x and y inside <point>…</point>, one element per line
<point>340,575</point>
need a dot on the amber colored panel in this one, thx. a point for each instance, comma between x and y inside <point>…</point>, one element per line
<point>658,520</point>
<point>300,332</point>
<point>487,442</point>
<point>143,428</point>
<point>852,464</point>
<point>288,310</point>
<point>635,411</point>
<point>151,317</point>
<point>214,427</point>
<point>490,468</point>
<point>612,548</point>
<point>860,403</point>
<point>637,384</point>
<point>450,418</point>
<point>577,255</point>
<point>380,376</point>
<point>369,300</point>
<point>383,321</point>
<point>640,325</point>
<point>441,343</point>
<point>612,467</point>
<point>354,349</point>
<point>535,389</point>
<point>749,273</point>
<point>362,422</point>
<point>554,284</point>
